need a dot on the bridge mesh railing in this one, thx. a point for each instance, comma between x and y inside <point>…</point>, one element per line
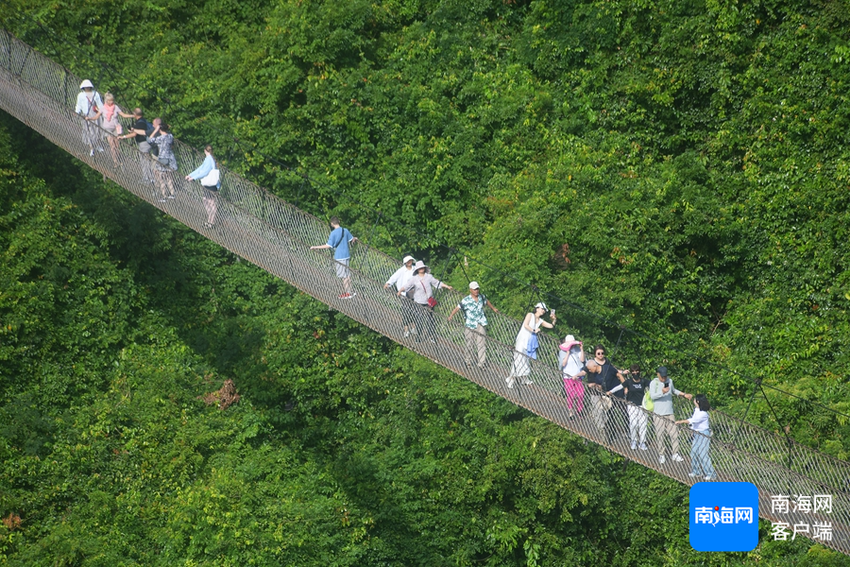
<point>276,236</point>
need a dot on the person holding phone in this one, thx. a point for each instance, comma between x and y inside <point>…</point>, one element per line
<point>521,367</point>
<point>661,390</point>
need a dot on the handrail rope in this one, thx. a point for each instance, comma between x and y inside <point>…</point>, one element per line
<point>557,299</point>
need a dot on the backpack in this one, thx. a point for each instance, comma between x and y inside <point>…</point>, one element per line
<point>648,403</point>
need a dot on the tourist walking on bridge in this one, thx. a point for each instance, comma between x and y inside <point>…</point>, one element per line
<point>661,391</point>
<point>111,124</point>
<point>210,178</point>
<point>166,163</point>
<point>139,132</point>
<point>339,240</point>
<point>526,337</point>
<point>603,379</point>
<point>571,362</point>
<point>636,387</point>
<point>400,279</point>
<point>475,330</point>
<point>422,285</point>
<point>88,106</point>
<point>700,459</point>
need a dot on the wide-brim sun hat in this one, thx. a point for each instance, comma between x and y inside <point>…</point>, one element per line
<point>419,265</point>
<point>86,85</point>
<point>569,342</point>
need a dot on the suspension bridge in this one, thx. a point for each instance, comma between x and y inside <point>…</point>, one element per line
<point>276,236</point>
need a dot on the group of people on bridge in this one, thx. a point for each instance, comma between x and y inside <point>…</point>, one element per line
<point>154,142</point>
<point>620,400</point>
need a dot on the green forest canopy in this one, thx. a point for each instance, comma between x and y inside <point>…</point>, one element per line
<point>690,155</point>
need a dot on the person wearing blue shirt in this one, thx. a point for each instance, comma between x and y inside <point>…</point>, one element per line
<point>210,178</point>
<point>338,241</point>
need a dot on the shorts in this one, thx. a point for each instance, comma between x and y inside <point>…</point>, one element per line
<point>342,270</point>
<point>166,164</point>
<point>210,192</point>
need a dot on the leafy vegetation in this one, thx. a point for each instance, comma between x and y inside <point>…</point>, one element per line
<point>690,155</point>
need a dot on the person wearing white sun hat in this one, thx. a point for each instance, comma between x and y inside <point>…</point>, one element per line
<point>422,284</point>
<point>89,106</point>
<point>400,279</point>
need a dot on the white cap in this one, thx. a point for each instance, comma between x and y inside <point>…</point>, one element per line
<point>408,259</point>
<point>542,306</point>
<point>473,285</point>
<point>86,85</point>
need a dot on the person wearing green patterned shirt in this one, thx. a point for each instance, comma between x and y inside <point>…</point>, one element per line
<point>475,332</point>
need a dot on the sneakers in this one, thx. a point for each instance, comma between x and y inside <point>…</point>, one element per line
<point>711,477</point>
<point>527,382</point>
<point>634,445</point>
<point>662,460</point>
<point>91,153</point>
<point>642,447</point>
<point>406,334</point>
<point>692,474</point>
<point>345,296</point>
<point>677,458</point>
<point>511,381</point>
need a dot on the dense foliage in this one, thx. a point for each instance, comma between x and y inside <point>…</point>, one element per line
<point>690,154</point>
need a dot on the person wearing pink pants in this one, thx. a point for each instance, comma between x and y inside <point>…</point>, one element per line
<point>571,359</point>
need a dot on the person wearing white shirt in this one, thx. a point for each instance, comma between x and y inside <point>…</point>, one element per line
<point>400,279</point>
<point>700,459</point>
<point>89,106</point>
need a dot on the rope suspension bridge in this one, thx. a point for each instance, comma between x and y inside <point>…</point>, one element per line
<point>276,236</point>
